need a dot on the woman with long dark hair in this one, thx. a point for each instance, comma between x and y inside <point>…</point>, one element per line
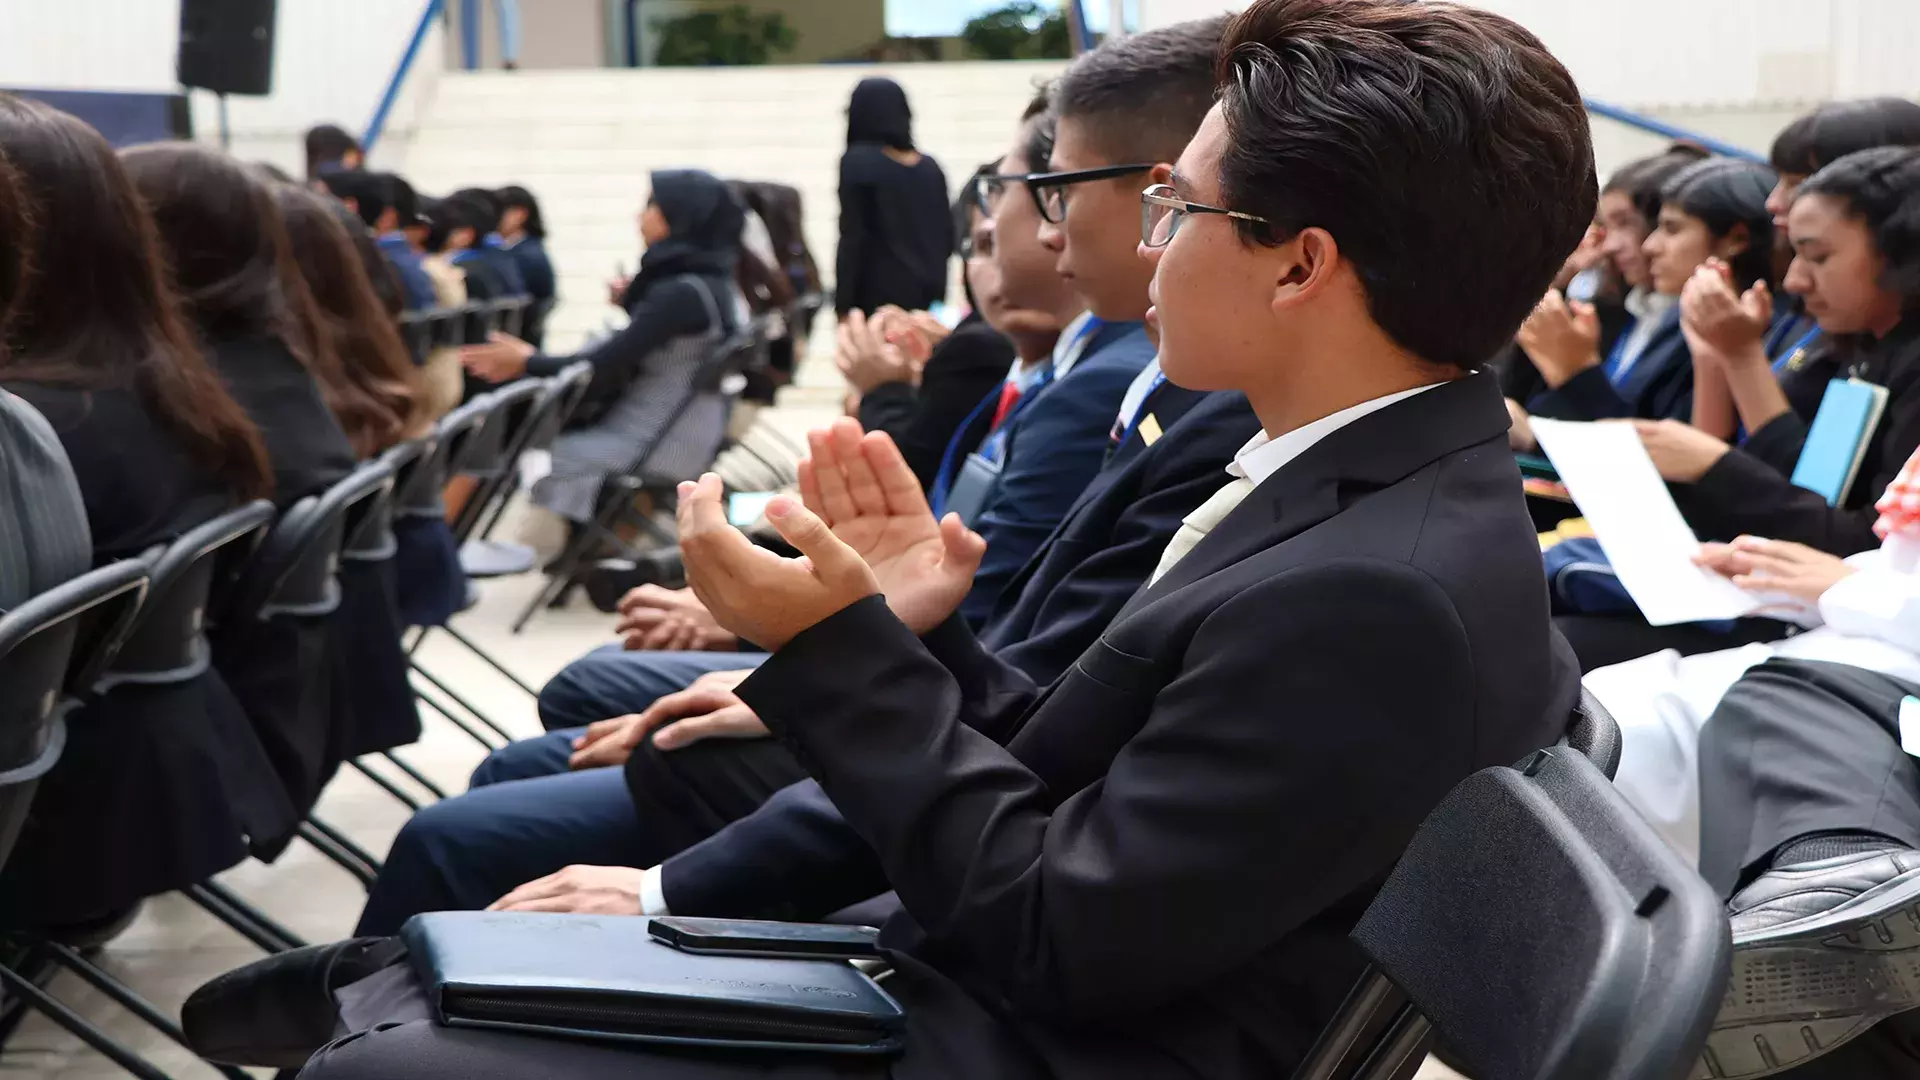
<point>160,785</point>
<point>895,235</point>
<point>246,295</point>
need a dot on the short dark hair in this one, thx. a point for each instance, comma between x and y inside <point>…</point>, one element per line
<point>406,201</point>
<point>1724,192</point>
<point>484,202</point>
<point>1142,97</point>
<point>328,144</point>
<point>1839,128</point>
<point>1643,179</point>
<point>372,193</point>
<point>1443,146</point>
<point>1881,189</point>
<point>1036,134</point>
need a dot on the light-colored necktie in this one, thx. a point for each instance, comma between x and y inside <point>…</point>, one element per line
<point>1195,527</point>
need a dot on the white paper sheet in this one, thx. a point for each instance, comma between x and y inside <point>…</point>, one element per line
<point>1621,495</point>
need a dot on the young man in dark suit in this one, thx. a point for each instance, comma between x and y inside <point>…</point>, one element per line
<point>1149,868</point>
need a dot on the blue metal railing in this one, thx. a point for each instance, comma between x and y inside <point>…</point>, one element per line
<point>379,122</point>
<point>1659,127</point>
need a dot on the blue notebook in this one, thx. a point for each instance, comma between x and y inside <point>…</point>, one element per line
<point>1837,439</point>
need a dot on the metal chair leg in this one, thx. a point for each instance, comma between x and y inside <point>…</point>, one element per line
<point>472,709</point>
<point>403,795</point>
<point>242,917</point>
<point>341,851</point>
<point>415,775</point>
<point>346,843</point>
<point>492,663</point>
<point>126,998</point>
<point>77,1026</point>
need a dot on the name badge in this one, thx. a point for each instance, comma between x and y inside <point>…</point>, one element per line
<point>1910,725</point>
<point>1150,430</point>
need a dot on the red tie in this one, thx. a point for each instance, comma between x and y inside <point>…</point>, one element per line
<point>1009,395</point>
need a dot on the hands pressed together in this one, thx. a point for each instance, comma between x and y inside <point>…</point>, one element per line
<point>862,527</point>
<point>892,346</point>
<point>669,620</point>
<point>1562,337</point>
<point>1721,325</point>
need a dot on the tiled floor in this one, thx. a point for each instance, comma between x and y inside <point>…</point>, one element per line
<point>173,947</point>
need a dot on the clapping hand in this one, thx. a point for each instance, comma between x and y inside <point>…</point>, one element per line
<point>1719,323</point>
<point>864,529</point>
<point>503,358</point>
<point>867,358</point>
<point>1562,338</point>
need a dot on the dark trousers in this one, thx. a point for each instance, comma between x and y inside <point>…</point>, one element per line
<point>1799,747</point>
<point>1600,640</point>
<point>611,681</point>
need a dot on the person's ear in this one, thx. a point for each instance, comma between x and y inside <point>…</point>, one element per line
<point>352,204</point>
<point>1303,267</point>
<point>1735,243</point>
<point>1161,173</point>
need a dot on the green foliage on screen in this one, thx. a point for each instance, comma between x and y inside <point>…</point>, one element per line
<point>731,36</point>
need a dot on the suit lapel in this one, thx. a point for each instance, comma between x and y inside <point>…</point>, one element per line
<point>1375,451</point>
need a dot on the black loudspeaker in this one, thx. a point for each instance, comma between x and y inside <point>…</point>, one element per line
<point>227,45</point>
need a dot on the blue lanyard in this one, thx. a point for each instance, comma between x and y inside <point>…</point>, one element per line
<point>1140,413</point>
<point>943,480</point>
<point>995,443</point>
<point>1619,353</point>
<point>1788,357</point>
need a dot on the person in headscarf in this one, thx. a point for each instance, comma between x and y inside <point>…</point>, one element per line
<point>683,304</point>
<point>895,232</point>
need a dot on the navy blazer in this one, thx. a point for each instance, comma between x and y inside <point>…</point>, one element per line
<point>1057,606</point>
<point>1659,385</point>
<point>1055,445</point>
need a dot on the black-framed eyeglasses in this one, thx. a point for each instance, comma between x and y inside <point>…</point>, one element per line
<point>1162,211</point>
<point>1050,189</point>
<point>988,189</point>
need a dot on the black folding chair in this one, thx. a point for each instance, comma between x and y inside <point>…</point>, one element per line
<point>1536,927</point>
<point>294,575</point>
<point>53,648</point>
<point>721,373</point>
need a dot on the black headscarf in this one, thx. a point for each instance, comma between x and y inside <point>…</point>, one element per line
<point>705,222</point>
<point>879,113</point>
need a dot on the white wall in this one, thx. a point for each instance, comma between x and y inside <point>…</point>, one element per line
<point>332,61</point>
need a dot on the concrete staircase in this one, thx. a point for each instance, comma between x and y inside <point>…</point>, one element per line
<point>584,142</point>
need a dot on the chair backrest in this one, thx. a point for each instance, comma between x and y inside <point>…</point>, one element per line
<point>508,314</point>
<point>1594,733</point>
<point>1538,927</point>
<point>49,646</point>
<point>168,642</point>
<point>559,396</point>
<point>497,448</point>
<point>454,440</point>
<point>370,527</point>
<point>416,329</point>
<point>295,571</point>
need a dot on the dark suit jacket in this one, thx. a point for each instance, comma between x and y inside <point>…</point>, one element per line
<point>1659,385</point>
<point>1150,868</point>
<point>43,526</point>
<point>1054,447</point>
<point>1748,490</point>
<point>1061,601</point>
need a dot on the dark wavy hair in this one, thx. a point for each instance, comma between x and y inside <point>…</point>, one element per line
<point>1643,179</point>
<point>235,267</point>
<point>1881,189</point>
<point>96,309</point>
<point>1839,128</point>
<point>16,233</point>
<point>1726,193</point>
<point>328,243</point>
<point>514,195</point>
<point>1475,154</point>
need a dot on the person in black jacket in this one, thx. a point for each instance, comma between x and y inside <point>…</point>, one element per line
<point>922,404</point>
<point>160,785</point>
<point>681,306</point>
<point>523,234</point>
<point>1131,876</point>
<point>1855,227</point>
<point>894,231</point>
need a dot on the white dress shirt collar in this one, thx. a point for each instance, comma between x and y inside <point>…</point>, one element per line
<point>1265,455</point>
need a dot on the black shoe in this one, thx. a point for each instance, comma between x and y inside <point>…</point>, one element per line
<point>1822,951</point>
<point>280,1011</point>
<point>608,580</point>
